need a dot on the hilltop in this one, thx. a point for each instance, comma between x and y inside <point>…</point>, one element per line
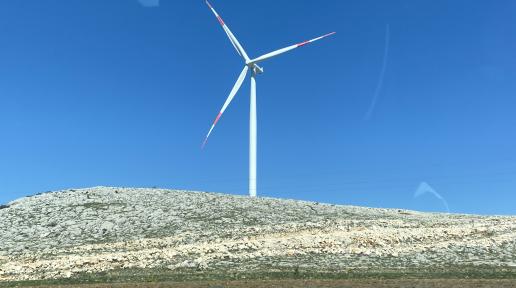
<point>117,233</point>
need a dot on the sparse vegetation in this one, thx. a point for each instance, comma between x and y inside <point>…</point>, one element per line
<point>359,275</point>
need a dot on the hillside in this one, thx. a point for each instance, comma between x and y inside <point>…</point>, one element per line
<point>126,231</point>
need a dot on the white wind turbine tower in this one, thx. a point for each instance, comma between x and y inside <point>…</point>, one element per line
<point>251,64</point>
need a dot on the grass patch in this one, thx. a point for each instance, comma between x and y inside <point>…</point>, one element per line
<point>164,275</point>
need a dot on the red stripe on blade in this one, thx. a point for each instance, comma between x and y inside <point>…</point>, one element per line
<point>220,21</point>
<point>217,119</point>
<point>303,43</point>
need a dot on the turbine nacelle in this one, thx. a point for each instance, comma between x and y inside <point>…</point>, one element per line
<point>255,68</point>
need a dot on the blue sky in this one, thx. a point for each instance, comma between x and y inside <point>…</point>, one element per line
<point>117,93</point>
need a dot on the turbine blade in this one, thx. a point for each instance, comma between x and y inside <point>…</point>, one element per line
<point>232,43</point>
<point>231,37</point>
<point>286,49</point>
<point>238,83</point>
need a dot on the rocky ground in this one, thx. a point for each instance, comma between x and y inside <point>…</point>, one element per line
<point>104,231</point>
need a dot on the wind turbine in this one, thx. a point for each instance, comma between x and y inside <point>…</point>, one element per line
<point>250,64</point>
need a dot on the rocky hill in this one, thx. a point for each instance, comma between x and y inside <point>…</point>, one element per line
<point>101,230</point>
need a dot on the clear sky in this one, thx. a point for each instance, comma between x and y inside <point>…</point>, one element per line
<point>117,93</point>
